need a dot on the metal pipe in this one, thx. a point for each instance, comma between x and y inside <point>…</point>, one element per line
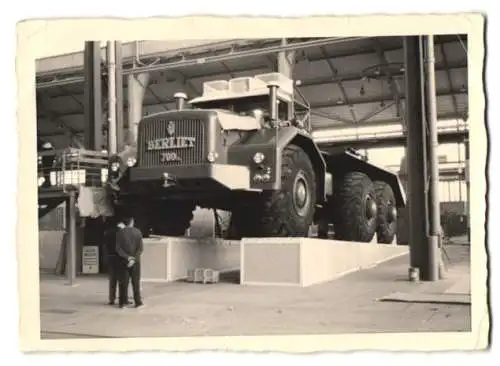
<point>71,235</point>
<point>120,128</point>
<point>431,267</point>
<point>136,89</point>
<point>467,186</point>
<point>112,142</point>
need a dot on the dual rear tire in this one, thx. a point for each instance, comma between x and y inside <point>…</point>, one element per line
<point>363,209</point>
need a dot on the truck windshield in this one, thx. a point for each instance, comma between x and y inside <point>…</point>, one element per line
<point>243,106</point>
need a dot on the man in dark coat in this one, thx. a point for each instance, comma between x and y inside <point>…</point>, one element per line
<point>129,247</point>
<point>114,264</point>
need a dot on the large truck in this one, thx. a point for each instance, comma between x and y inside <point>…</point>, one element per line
<point>245,146</point>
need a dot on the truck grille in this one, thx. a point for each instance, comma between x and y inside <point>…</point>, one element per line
<point>157,129</point>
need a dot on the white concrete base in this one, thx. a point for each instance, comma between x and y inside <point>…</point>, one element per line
<point>305,262</point>
<point>262,261</point>
<point>168,259</point>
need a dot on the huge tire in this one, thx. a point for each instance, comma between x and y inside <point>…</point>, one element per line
<point>355,217</point>
<point>172,219</point>
<point>386,213</point>
<point>285,212</point>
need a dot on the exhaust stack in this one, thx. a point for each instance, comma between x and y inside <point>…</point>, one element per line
<point>180,98</point>
<point>273,101</point>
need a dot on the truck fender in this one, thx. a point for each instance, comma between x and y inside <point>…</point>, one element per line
<point>292,135</point>
<point>338,164</point>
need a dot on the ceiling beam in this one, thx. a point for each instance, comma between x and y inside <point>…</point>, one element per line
<point>381,98</point>
<point>43,83</point>
<point>334,72</point>
<point>304,83</point>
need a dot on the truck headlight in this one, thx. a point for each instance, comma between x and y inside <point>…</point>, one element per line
<point>258,158</point>
<point>115,166</point>
<point>212,156</point>
<point>131,161</point>
<point>41,181</point>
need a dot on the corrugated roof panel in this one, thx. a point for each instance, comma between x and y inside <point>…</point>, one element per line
<point>60,105</point>
<point>444,104</point>
<point>462,102</point>
<point>367,88</point>
<point>459,77</point>
<point>396,56</point>
<point>382,113</point>
<point>455,52</point>
<point>322,93</point>
<point>343,113</point>
<point>442,82</point>
<point>314,69</point>
<point>355,64</point>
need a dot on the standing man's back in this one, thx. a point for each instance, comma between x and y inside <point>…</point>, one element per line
<point>129,247</point>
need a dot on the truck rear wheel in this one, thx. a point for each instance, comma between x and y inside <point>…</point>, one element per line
<point>355,208</point>
<point>172,219</point>
<point>285,212</point>
<point>386,213</point>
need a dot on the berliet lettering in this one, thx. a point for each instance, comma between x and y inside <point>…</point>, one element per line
<point>179,142</point>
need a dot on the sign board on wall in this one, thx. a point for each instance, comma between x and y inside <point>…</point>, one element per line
<point>90,259</point>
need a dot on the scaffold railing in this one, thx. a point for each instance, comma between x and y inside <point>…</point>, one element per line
<point>66,169</point>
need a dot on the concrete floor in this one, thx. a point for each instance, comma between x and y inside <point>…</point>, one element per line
<point>347,305</point>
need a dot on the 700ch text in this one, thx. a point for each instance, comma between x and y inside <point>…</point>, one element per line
<point>169,156</point>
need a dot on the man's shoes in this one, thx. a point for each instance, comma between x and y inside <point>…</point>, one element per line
<point>139,305</point>
<point>111,303</point>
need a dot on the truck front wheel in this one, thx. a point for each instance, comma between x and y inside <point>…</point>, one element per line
<point>288,211</point>
<point>386,213</point>
<point>355,208</point>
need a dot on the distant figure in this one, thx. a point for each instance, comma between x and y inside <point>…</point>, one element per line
<point>113,259</point>
<point>129,247</point>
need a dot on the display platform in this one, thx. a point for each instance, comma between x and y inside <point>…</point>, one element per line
<point>167,259</point>
<point>262,261</point>
<point>305,261</point>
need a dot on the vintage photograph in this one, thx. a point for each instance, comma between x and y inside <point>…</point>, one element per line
<point>255,187</point>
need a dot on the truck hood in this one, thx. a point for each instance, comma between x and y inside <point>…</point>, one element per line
<point>228,120</point>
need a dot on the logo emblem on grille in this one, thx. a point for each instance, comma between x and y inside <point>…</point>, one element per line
<point>170,128</point>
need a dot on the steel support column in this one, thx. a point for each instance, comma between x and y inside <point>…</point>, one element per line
<point>430,255</point>
<point>92,96</point>
<point>111,60</point>
<point>467,186</point>
<point>120,128</point>
<point>136,88</point>
<point>71,238</point>
<point>415,149</point>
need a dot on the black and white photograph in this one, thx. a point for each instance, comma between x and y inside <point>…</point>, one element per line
<point>259,186</point>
